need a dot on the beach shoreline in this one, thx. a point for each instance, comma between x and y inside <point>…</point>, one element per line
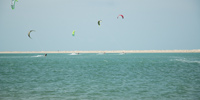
<point>108,51</point>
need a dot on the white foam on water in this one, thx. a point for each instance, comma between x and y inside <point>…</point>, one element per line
<point>186,60</point>
<point>38,56</point>
<point>100,53</point>
<point>73,54</point>
<point>121,53</point>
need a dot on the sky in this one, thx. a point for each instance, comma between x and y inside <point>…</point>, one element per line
<point>147,25</point>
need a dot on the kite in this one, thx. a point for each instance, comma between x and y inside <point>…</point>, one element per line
<point>29,33</point>
<point>13,3</point>
<point>73,33</point>
<point>121,16</point>
<point>99,22</point>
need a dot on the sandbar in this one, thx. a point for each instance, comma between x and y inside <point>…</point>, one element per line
<point>109,51</point>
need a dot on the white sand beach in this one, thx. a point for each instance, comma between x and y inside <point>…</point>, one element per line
<point>114,51</point>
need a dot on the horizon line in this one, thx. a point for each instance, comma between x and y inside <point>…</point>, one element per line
<point>109,51</point>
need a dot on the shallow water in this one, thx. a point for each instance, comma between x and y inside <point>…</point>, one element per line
<point>145,76</point>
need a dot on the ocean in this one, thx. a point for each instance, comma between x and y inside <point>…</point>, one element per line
<point>110,76</point>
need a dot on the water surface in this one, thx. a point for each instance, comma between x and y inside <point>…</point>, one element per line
<point>145,76</point>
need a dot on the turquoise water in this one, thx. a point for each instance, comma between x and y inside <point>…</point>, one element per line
<point>145,76</point>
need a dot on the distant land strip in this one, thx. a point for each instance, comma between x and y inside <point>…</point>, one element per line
<point>110,51</point>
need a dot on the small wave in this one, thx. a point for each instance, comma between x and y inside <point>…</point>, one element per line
<point>187,61</point>
<point>38,56</point>
<point>105,60</point>
<point>121,53</point>
<point>10,57</point>
<point>100,53</point>
<point>74,54</point>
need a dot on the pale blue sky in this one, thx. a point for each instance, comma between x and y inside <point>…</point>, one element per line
<point>148,25</point>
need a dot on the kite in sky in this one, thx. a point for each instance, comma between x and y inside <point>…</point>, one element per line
<point>99,22</point>
<point>29,33</point>
<point>13,3</point>
<point>73,33</point>
<point>121,16</point>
